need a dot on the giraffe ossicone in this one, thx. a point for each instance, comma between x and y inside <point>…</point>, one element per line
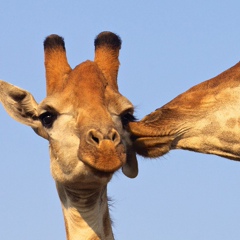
<point>84,118</point>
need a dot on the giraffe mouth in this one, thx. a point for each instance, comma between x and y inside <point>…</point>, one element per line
<point>154,146</point>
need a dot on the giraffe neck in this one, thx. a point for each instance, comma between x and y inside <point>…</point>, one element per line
<point>86,213</point>
<point>215,126</point>
<point>217,134</point>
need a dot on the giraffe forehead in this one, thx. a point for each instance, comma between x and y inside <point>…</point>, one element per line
<point>85,83</point>
<point>84,87</point>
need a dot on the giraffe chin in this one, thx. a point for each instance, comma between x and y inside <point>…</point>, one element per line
<point>106,158</point>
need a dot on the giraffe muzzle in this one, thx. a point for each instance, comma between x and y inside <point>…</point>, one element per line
<point>103,152</point>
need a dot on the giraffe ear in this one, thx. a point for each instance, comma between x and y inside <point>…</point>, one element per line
<point>130,169</point>
<point>21,106</point>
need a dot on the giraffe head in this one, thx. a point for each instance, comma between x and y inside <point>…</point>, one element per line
<point>84,117</point>
<point>203,119</point>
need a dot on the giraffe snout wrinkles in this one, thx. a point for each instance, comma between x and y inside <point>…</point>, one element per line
<point>95,137</point>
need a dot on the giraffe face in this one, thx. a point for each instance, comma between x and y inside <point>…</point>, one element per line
<point>84,117</point>
<point>86,126</point>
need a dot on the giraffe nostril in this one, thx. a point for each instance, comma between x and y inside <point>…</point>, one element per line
<point>114,136</point>
<point>95,139</point>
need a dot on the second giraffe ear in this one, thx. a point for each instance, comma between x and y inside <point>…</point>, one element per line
<point>107,46</point>
<point>130,169</point>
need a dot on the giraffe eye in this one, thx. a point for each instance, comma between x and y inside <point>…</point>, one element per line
<point>47,119</point>
<point>126,118</point>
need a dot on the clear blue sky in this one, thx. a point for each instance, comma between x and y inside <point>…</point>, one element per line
<point>168,46</point>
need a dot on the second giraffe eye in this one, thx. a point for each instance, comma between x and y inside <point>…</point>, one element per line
<point>47,119</point>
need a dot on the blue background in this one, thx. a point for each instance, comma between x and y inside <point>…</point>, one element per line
<point>168,46</point>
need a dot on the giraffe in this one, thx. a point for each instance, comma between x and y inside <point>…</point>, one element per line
<point>203,119</point>
<point>84,118</point>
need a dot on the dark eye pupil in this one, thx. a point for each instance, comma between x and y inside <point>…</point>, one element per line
<point>47,119</point>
